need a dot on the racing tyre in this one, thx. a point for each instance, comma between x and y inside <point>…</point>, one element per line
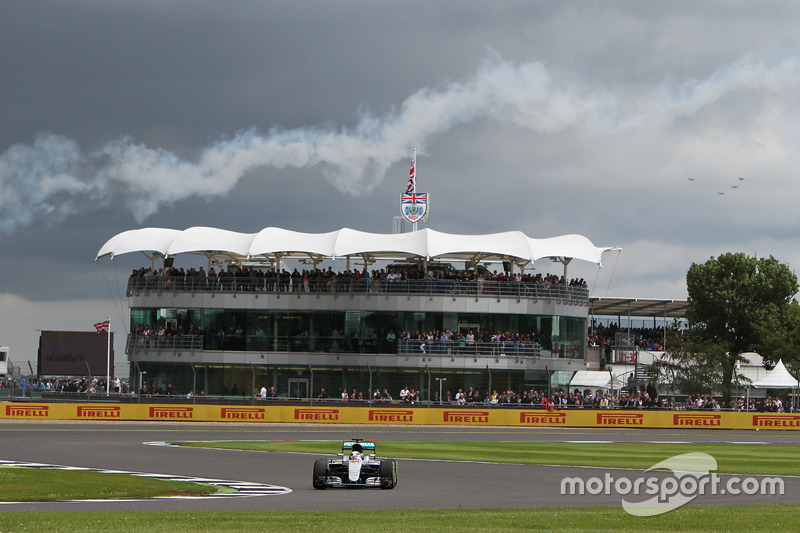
<point>320,473</point>
<point>388,473</point>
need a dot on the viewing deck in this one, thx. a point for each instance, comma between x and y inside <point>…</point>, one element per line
<point>551,293</point>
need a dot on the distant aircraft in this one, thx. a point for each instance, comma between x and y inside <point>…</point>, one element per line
<point>741,179</point>
<point>691,179</point>
<point>721,193</point>
<point>734,186</point>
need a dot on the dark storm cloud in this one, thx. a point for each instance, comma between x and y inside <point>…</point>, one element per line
<point>53,178</point>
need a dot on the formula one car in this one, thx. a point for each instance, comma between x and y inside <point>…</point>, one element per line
<point>356,466</point>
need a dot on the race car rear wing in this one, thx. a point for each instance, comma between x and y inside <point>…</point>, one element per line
<point>367,447</point>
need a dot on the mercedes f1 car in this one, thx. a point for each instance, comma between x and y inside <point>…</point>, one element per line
<point>356,466</point>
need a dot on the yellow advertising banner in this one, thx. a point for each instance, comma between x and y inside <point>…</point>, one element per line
<point>401,415</point>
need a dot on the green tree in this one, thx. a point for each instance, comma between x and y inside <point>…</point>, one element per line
<point>689,365</point>
<point>739,303</point>
<point>780,337</point>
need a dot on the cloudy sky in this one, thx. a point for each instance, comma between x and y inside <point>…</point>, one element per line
<point>622,121</point>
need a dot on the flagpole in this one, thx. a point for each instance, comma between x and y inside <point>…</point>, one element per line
<point>414,163</point>
<point>108,359</point>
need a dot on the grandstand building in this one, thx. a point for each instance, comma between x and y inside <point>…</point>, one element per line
<point>313,315</point>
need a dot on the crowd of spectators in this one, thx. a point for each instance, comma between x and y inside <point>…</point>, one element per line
<point>13,383</point>
<point>642,398</point>
<point>168,330</point>
<point>470,337</point>
<point>699,402</point>
<point>444,342</point>
<point>326,280</point>
<point>432,341</point>
<point>647,397</point>
<point>651,339</point>
<point>82,385</point>
<point>156,389</point>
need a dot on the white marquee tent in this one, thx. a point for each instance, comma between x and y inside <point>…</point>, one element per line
<point>778,378</point>
<point>594,379</point>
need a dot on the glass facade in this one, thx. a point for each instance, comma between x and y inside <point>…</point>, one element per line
<point>329,382</point>
<point>351,331</point>
<point>268,340</point>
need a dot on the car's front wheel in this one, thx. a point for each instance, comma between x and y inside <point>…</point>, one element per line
<point>388,473</point>
<point>320,473</point>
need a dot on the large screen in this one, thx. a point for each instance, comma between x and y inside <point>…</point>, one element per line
<point>74,353</point>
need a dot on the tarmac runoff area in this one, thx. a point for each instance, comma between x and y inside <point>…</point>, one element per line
<point>123,446</point>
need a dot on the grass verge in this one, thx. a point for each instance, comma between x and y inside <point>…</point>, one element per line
<point>20,484</point>
<point>746,518</point>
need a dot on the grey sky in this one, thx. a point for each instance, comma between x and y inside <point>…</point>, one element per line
<point>545,117</point>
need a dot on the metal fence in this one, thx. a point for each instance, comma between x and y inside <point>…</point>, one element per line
<point>565,294</point>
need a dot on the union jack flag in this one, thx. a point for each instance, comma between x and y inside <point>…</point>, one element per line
<point>414,198</point>
<point>412,175</point>
<point>102,326</point>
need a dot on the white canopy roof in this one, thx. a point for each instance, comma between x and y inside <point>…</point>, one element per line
<point>593,379</point>
<point>138,240</point>
<point>277,243</point>
<point>778,378</point>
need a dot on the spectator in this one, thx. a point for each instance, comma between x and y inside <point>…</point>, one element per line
<point>404,395</point>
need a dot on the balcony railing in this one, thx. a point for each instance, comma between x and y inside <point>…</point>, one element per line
<point>469,349</point>
<point>166,343</point>
<point>564,294</point>
<point>332,345</point>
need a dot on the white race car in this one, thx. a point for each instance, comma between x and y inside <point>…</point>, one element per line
<point>356,466</point>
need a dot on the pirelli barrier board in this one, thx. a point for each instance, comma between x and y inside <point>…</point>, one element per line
<point>400,416</point>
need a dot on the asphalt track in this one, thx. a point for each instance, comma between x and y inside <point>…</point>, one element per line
<point>421,484</point>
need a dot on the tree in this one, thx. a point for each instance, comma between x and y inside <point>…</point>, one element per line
<point>780,338</point>
<point>739,303</point>
<point>690,365</point>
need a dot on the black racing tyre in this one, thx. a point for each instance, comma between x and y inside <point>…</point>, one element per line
<point>388,473</point>
<point>320,473</point>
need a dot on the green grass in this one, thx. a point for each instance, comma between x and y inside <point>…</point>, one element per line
<point>41,484</point>
<point>20,484</point>
<point>756,518</point>
<point>773,459</point>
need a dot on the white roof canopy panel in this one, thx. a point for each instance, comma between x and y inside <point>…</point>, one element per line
<point>274,241</point>
<point>508,244</point>
<point>155,240</point>
<point>573,246</point>
<point>208,240</point>
<point>425,244</point>
<point>353,242</point>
